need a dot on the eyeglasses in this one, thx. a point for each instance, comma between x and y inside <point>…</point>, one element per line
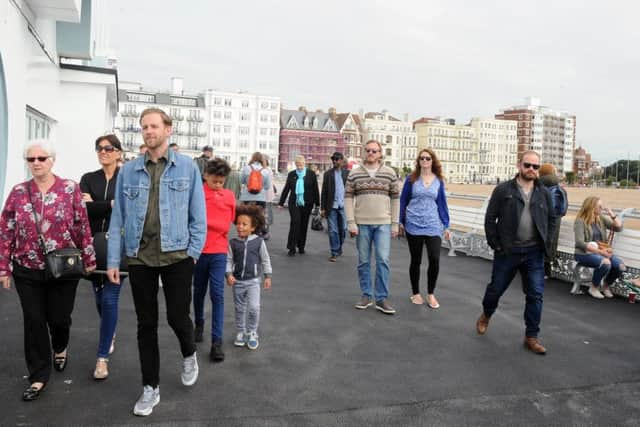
<point>427,158</point>
<point>105,148</point>
<point>533,166</point>
<point>372,150</point>
<point>41,159</point>
<point>335,159</point>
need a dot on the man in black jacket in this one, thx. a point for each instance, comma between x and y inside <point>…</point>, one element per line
<point>518,225</point>
<point>332,204</point>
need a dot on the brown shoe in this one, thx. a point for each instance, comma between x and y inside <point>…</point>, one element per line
<point>534,345</point>
<point>482,324</point>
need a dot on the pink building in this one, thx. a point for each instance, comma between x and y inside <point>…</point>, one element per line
<point>313,135</point>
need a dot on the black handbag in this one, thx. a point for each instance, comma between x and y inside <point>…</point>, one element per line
<point>316,221</point>
<point>63,264</point>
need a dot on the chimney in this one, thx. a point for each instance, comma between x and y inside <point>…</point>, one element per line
<point>332,112</point>
<point>177,86</point>
<point>319,110</point>
<point>361,113</point>
<point>302,108</point>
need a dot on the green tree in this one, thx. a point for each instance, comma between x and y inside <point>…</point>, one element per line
<point>570,177</point>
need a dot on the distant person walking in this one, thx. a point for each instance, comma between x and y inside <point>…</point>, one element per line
<point>233,183</point>
<point>210,268</point>
<point>518,224</point>
<point>424,218</point>
<point>551,181</point>
<point>98,191</point>
<point>592,247</point>
<point>372,207</point>
<point>248,263</point>
<point>332,204</point>
<point>203,159</point>
<point>45,213</point>
<point>159,215</point>
<point>302,189</point>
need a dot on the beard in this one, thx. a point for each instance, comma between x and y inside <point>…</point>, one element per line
<point>528,177</point>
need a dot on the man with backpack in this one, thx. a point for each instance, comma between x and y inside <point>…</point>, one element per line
<point>560,203</point>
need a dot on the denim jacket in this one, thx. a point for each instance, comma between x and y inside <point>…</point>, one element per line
<point>182,209</point>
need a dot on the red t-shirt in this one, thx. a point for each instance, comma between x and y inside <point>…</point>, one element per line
<point>221,211</point>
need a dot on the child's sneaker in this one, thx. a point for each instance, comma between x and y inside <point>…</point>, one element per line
<point>253,343</point>
<point>239,341</point>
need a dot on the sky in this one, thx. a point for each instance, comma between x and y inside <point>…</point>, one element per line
<point>450,58</point>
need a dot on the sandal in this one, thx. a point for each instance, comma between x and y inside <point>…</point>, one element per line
<point>31,393</point>
<point>101,372</point>
<point>416,299</point>
<point>61,360</point>
<point>432,302</point>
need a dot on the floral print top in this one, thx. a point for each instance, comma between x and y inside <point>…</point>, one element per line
<point>62,215</point>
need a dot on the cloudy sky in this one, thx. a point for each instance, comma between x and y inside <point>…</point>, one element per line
<point>451,58</point>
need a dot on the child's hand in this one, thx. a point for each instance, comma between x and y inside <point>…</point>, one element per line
<point>231,281</point>
<point>267,283</point>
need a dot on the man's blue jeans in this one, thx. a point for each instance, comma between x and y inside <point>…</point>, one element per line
<point>530,263</point>
<point>209,273</point>
<point>608,272</point>
<point>337,224</point>
<point>107,296</point>
<point>380,237</point>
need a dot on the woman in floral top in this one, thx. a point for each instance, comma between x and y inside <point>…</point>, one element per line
<point>46,304</point>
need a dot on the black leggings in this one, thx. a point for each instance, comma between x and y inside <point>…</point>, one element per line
<point>433,244</point>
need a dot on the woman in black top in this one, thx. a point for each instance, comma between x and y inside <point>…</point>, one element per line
<point>98,190</point>
<point>302,183</point>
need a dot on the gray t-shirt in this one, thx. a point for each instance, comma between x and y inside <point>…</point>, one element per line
<point>526,235</point>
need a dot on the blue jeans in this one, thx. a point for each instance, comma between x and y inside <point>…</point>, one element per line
<point>107,296</point>
<point>530,263</point>
<point>337,224</point>
<point>608,272</point>
<point>380,237</point>
<point>209,272</point>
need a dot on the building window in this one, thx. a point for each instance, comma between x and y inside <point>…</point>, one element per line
<point>263,145</point>
<point>264,105</point>
<point>227,129</point>
<point>264,117</point>
<point>216,129</point>
<point>217,114</point>
<point>226,142</point>
<point>243,130</point>
<point>217,101</point>
<point>227,102</point>
<point>274,119</point>
<point>273,132</point>
<point>245,103</point>
<point>263,131</point>
<point>227,115</point>
<point>274,106</point>
<point>141,97</point>
<point>244,117</point>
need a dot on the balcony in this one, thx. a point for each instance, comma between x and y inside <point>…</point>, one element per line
<point>177,116</point>
<point>197,119</point>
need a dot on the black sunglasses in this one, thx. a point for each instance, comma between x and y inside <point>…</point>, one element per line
<point>41,159</point>
<point>533,166</point>
<point>105,148</point>
<point>372,150</point>
<point>427,158</point>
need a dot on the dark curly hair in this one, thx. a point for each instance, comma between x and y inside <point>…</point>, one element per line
<point>217,167</point>
<point>255,212</point>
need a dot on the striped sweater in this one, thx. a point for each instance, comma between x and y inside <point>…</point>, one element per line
<point>372,201</point>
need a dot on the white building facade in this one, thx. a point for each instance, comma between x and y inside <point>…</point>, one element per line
<point>53,85</point>
<point>398,139</point>
<point>187,112</point>
<point>240,124</point>
<point>497,149</point>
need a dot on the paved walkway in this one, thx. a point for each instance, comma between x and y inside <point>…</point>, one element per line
<point>321,362</point>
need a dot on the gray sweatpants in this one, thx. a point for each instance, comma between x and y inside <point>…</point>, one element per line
<point>246,296</point>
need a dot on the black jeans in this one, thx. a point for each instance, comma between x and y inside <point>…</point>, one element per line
<point>46,311</point>
<point>176,285</point>
<point>298,226</point>
<point>433,244</point>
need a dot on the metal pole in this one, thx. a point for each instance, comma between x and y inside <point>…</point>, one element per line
<point>628,161</point>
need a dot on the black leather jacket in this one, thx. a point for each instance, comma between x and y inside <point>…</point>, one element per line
<point>102,192</point>
<point>504,211</point>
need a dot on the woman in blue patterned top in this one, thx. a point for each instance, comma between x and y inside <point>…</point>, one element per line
<point>424,218</point>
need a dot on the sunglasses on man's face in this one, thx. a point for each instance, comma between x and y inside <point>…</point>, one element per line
<point>41,159</point>
<point>105,148</point>
<point>533,166</point>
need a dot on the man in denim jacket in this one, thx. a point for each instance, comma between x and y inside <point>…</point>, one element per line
<point>159,218</point>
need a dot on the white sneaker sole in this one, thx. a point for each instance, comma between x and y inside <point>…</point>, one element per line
<point>239,344</point>
<point>191,382</point>
<point>250,347</point>
<point>385,311</point>
<point>148,411</point>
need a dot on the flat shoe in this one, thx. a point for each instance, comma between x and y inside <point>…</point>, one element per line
<point>433,306</point>
<point>61,362</point>
<point>416,299</point>
<point>101,372</point>
<point>31,393</point>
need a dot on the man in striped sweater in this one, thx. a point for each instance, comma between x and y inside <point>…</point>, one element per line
<point>372,207</point>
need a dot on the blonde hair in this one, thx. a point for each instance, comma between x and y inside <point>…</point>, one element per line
<point>587,211</point>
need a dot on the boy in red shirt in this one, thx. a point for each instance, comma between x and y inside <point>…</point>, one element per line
<point>210,268</point>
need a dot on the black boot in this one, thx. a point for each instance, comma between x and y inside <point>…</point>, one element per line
<point>197,333</point>
<point>216,355</point>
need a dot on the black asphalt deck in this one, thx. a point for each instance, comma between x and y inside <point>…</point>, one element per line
<point>322,362</point>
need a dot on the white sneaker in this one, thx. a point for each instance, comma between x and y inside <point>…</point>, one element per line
<point>595,292</point>
<point>239,341</point>
<point>190,370</point>
<point>607,292</point>
<point>150,397</point>
<point>252,341</point>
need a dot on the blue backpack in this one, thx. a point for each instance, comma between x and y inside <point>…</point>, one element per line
<point>559,199</point>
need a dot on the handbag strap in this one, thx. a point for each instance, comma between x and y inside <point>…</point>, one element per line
<point>35,220</point>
